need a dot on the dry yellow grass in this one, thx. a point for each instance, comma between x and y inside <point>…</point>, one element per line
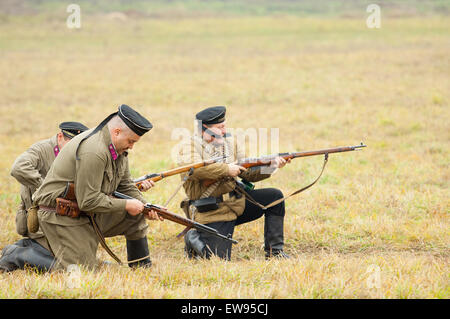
<point>322,82</point>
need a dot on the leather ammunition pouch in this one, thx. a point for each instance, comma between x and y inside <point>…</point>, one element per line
<point>32,219</point>
<point>211,203</point>
<point>207,204</point>
<point>65,207</point>
<point>69,191</point>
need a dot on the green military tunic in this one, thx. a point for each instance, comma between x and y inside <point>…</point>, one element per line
<point>30,169</point>
<point>97,173</point>
<point>197,150</point>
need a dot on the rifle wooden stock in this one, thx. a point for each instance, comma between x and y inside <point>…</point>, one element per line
<point>182,169</point>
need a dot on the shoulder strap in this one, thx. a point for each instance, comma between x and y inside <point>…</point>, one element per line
<point>98,128</point>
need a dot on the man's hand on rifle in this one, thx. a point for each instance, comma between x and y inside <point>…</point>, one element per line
<point>279,162</point>
<point>234,170</point>
<point>153,215</point>
<point>135,207</point>
<point>146,185</point>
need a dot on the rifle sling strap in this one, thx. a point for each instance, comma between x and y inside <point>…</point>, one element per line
<point>191,170</point>
<point>253,201</point>
<point>103,243</point>
<point>102,240</point>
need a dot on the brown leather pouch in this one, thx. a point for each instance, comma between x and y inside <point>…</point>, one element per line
<point>68,208</point>
<point>69,192</point>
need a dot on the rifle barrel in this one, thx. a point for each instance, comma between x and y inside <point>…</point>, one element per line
<point>327,151</point>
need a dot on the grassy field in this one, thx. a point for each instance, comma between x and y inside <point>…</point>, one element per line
<point>323,80</point>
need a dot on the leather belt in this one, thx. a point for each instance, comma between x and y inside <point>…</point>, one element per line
<point>48,209</point>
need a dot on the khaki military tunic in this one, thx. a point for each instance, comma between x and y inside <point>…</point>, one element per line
<point>30,169</point>
<point>198,150</point>
<point>97,173</point>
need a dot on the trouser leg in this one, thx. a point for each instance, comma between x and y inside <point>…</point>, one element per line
<point>205,245</point>
<point>217,246</point>
<point>78,244</point>
<point>26,252</point>
<point>273,217</point>
<point>273,227</point>
<point>134,228</point>
<point>75,244</point>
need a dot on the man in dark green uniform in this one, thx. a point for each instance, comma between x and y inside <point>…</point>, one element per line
<point>30,169</point>
<point>96,162</point>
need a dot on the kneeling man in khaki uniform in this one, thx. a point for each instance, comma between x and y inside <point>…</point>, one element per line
<point>213,196</point>
<point>30,169</point>
<point>96,162</point>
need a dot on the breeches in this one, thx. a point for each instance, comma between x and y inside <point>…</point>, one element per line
<point>273,225</point>
<point>77,242</point>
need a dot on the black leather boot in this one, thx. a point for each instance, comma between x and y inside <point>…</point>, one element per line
<point>276,254</point>
<point>138,249</point>
<point>195,247</point>
<point>31,255</point>
<point>274,236</point>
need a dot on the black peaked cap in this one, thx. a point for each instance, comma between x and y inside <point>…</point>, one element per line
<point>212,115</point>
<point>72,129</point>
<point>136,122</point>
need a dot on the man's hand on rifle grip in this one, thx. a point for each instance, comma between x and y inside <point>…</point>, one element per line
<point>279,162</point>
<point>234,170</point>
<point>134,207</point>
<point>153,215</point>
<point>146,185</point>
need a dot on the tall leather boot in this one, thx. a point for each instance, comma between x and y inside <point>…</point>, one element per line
<point>195,247</point>
<point>138,249</point>
<point>274,236</point>
<point>17,257</point>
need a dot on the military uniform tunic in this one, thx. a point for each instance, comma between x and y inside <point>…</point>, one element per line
<point>198,150</point>
<point>30,169</point>
<point>98,172</point>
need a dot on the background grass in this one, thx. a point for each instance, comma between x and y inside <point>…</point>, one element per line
<point>312,69</point>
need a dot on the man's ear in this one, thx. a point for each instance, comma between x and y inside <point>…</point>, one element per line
<point>117,131</point>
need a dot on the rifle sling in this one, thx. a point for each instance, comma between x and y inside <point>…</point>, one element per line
<point>102,240</point>
<point>103,243</point>
<point>253,201</point>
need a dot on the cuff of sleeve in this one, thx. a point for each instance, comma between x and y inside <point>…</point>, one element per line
<point>118,205</point>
